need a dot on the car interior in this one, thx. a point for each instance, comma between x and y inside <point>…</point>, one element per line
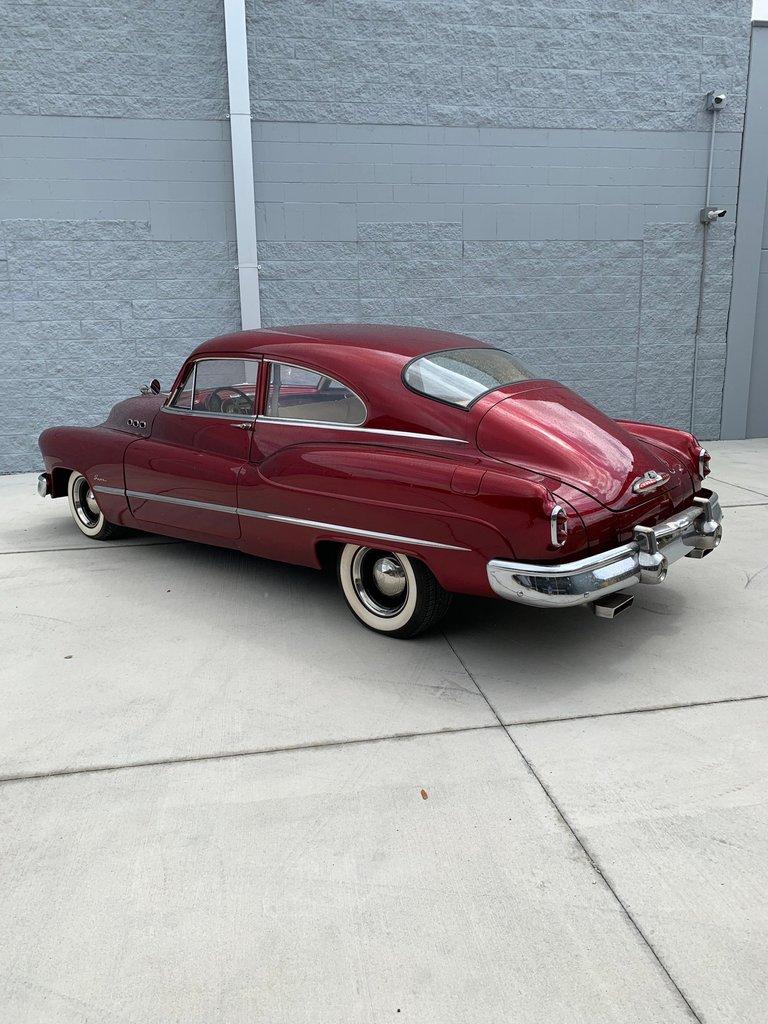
<point>298,394</point>
<point>228,386</point>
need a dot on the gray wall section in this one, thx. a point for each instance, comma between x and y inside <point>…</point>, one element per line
<point>115,58</point>
<point>746,374</point>
<point>757,410</point>
<point>624,64</point>
<point>116,258</point>
<point>530,173</point>
<point>578,249</point>
<point>757,419</point>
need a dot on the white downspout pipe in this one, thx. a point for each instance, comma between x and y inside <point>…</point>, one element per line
<point>242,162</point>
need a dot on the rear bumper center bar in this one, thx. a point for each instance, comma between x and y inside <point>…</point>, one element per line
<point>692,533</point>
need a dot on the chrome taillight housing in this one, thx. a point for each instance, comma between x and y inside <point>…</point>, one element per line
<point>704,460</point>
<point>558,526</point>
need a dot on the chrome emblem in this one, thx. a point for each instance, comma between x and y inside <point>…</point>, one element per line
<point>649,481</point>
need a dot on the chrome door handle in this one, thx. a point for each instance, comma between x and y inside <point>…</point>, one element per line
<point>242,426</point>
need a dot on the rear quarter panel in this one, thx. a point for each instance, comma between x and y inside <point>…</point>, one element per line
<point>474,513</point>
<point>681,444</point>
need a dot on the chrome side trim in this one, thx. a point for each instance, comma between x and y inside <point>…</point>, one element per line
<point>360,430</point>
<point>351,531</point>
<point>692,533</point>
<point>272,517</point>
<point>317,424</point>
<point>166,499</point>
<point>110,490</point>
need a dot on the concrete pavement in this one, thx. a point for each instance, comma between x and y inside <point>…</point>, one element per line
<point>223,800</point>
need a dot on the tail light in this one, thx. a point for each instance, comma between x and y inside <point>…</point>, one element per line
<point>704,460</point>
<point>558,526</point>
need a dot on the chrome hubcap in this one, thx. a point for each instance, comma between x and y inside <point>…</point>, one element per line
<point>86,507</point>
<point>380,581</point>
<point>389,576</point>
<point>90,501</point>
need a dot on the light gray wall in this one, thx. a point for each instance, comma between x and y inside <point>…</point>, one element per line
<point>529,173</point>
<point>619,64</point>
<point>757,407</point>
<point>745,412</point>
<point>578,249</point>
<point>116,258</point>
<point>113,58</point>
<point>116,207</point>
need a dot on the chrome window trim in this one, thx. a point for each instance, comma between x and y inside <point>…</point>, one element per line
<point>177,391</point>
<point>272,517</point>
<point>323,425</point>
<point>320,373</point>
<point>167,407</point>
<point>320,424</point>
<point>210,415</point>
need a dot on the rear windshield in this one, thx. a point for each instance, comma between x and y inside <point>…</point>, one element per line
<point>461,375</point>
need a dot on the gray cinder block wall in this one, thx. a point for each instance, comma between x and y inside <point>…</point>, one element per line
<point>117,246</point>
<point>527,173</point>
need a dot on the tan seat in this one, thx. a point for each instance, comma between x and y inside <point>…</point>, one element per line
<point>348,410</point>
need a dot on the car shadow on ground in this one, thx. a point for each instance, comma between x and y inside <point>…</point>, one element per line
<point>503,625</point>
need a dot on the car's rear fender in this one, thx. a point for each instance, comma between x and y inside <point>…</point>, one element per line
<point>680,444</point>
<point>462,512</point>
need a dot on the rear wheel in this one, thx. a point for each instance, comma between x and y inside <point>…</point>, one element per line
<point>389,592</point>
<point>85,510</point>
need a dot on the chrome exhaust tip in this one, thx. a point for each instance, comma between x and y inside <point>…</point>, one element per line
<point>611,605</point>
<point>699,552</point>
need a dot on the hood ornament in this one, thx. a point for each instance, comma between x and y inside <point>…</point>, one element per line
<point>649,481</point>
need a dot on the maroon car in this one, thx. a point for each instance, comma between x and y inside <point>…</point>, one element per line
<point>420,463</point>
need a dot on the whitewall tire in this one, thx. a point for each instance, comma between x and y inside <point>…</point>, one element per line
<point>85,510</point>
<point>389,592</point>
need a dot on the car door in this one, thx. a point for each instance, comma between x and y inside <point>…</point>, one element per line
<point>185,475</point>
<point>301,408</point>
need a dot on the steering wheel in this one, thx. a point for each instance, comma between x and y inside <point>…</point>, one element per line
<point>237,402</point>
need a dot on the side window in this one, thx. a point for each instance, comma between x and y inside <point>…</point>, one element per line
<point>182,399</point>
<point>294,393</point>
<point>226,387</point>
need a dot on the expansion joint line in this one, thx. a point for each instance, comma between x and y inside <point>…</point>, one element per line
<point>580,841</point>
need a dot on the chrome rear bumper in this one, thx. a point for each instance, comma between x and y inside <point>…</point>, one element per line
<point>692,533</point>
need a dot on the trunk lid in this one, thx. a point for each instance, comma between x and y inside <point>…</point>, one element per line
<point>549,429</point>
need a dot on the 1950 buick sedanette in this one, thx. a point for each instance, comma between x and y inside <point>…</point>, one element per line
<point>421,463</point>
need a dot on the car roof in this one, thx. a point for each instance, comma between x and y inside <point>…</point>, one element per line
<point>369,358</point>
<point>405,342</point>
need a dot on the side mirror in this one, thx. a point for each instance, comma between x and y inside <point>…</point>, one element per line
<point>154,386</point>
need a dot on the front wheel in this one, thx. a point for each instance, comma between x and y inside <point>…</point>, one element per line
<point>389,592</point>
<point>85,510</point>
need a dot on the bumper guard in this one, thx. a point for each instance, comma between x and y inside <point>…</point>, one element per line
<point>692,533</point>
